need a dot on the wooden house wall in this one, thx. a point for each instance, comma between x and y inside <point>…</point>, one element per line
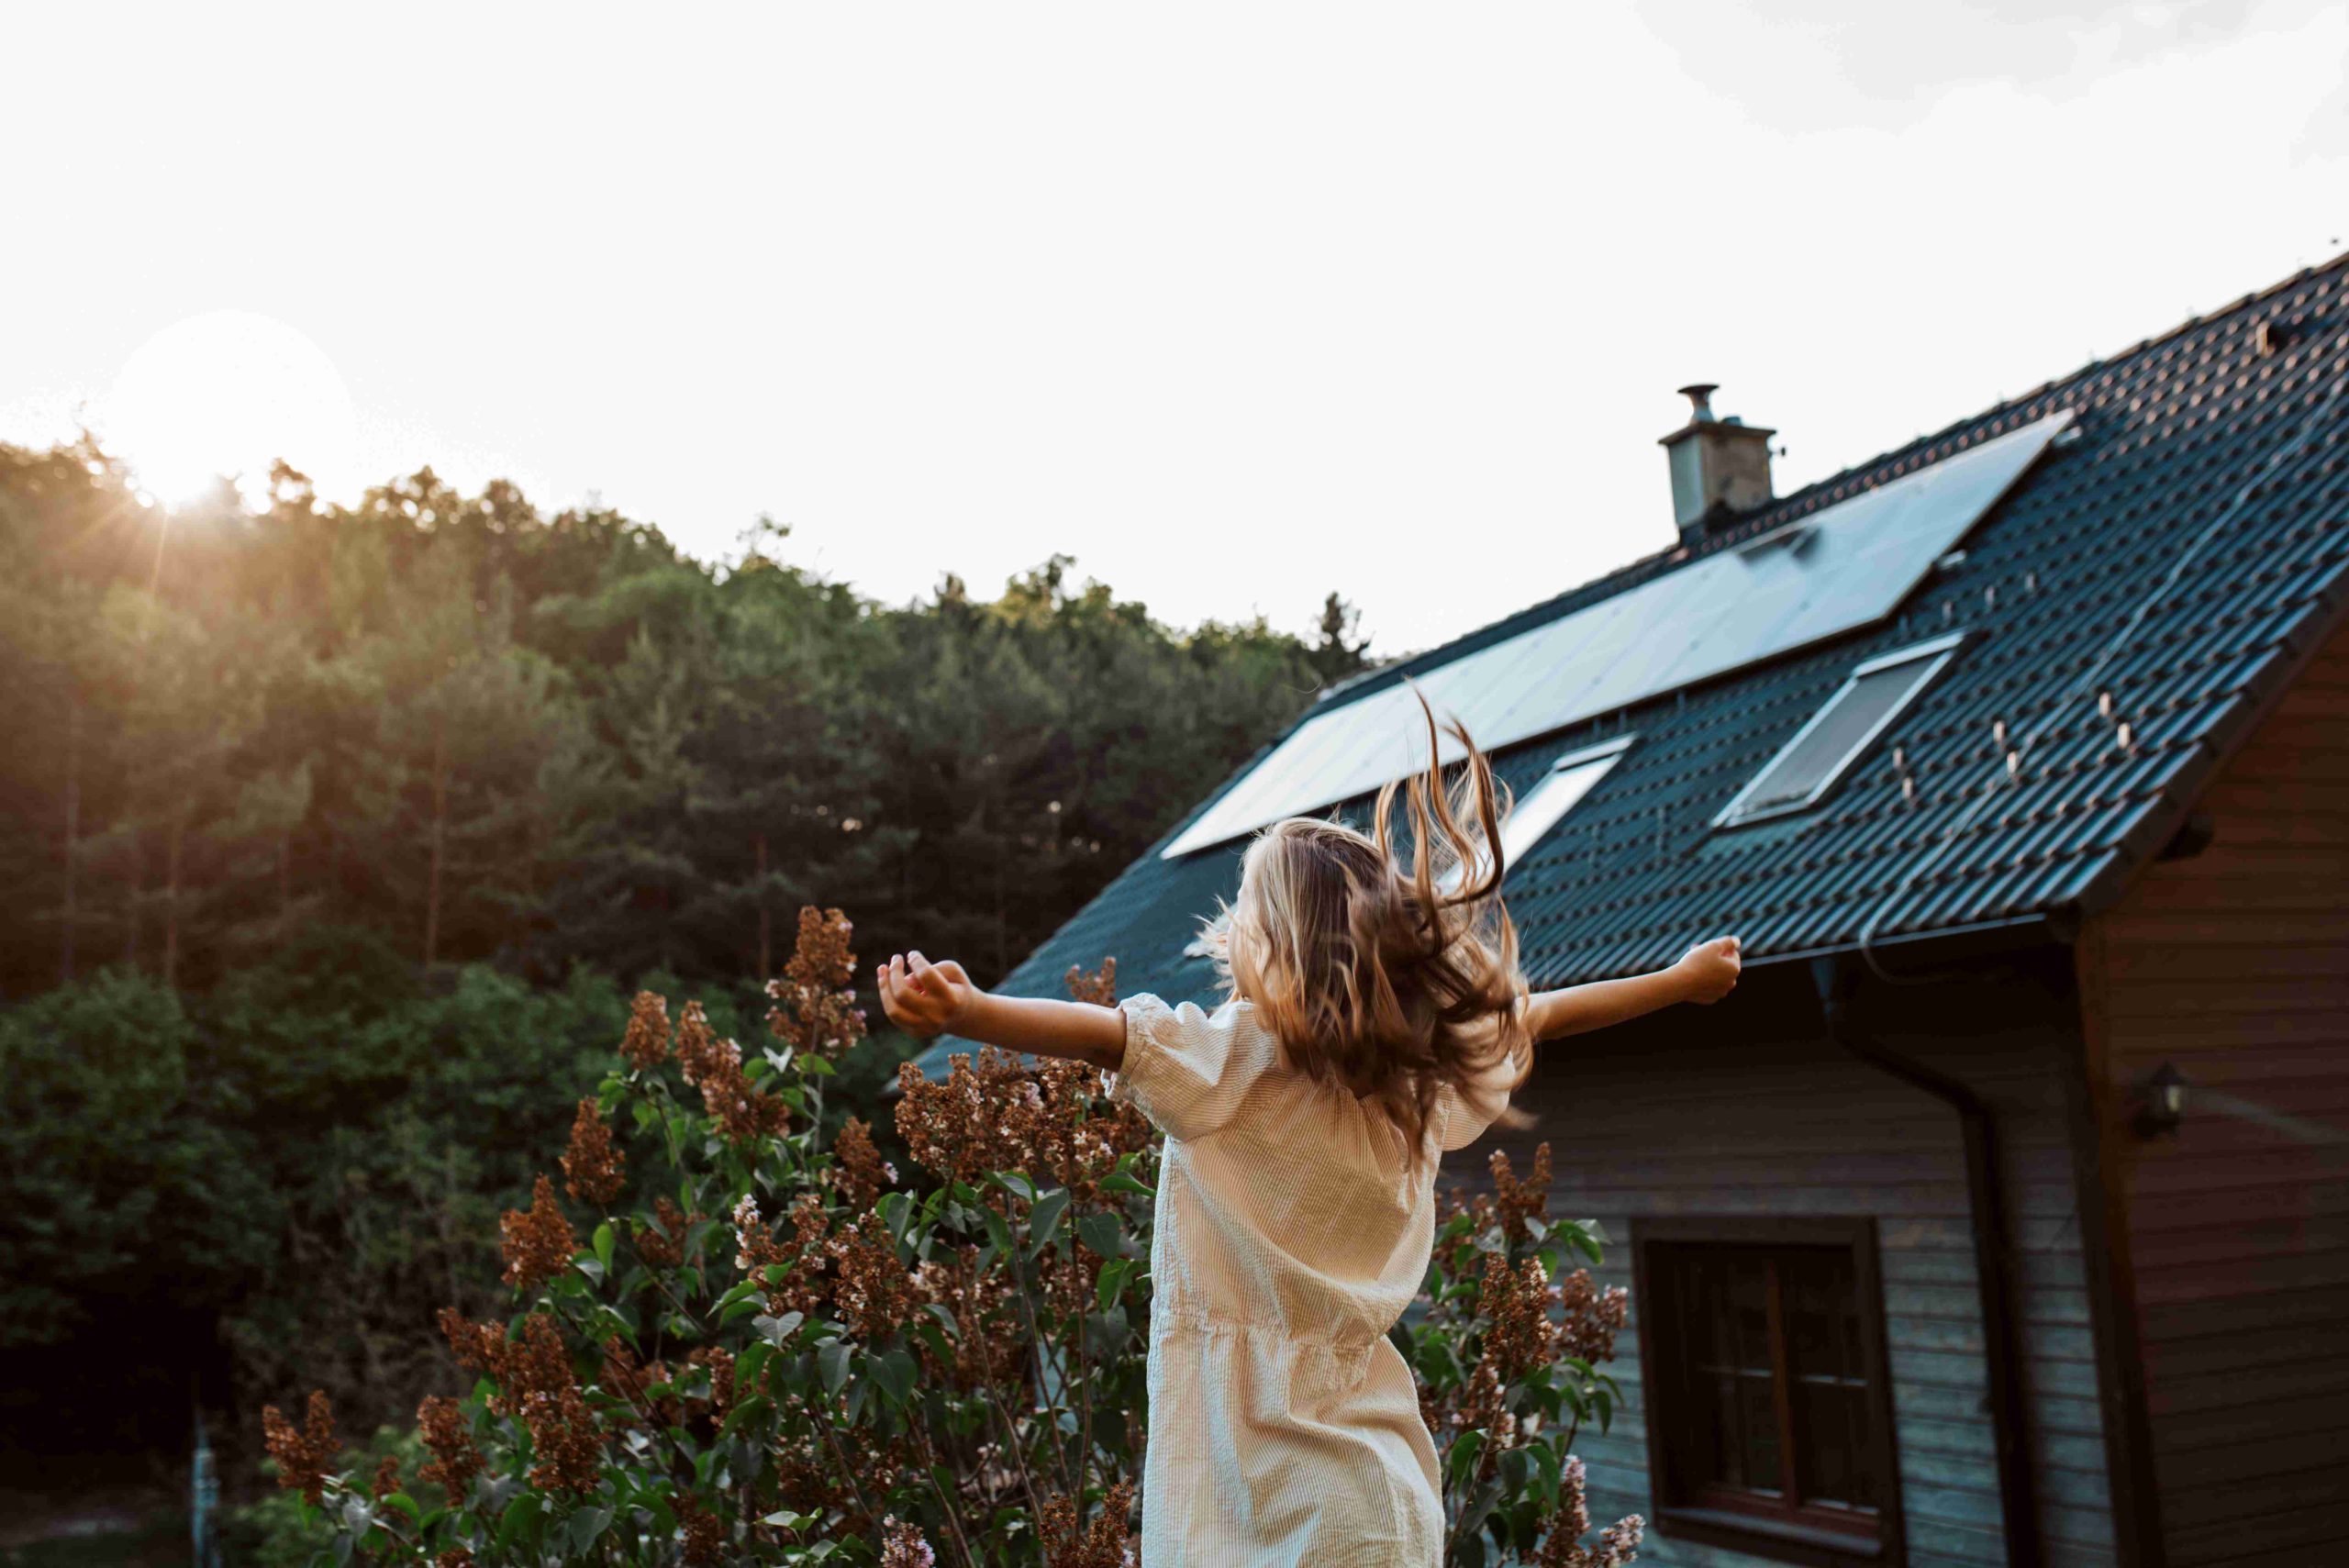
<point>1745,1108</point>
<point>2234,966</point>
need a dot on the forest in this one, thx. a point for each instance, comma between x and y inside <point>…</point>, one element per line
<point>338,838</point>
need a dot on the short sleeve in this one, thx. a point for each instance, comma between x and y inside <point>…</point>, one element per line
<point>1465,1110</point>
<point>1185,1069</point>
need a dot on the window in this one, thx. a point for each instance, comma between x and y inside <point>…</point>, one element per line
<point>1769,1409</point>
<point>1823,750</point>
<point>1570,778</point>
<point>1557,792</point>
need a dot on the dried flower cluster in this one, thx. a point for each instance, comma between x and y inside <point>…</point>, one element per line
<point>859,1174</point>
<point>704,1533</point>
<point>993,1343</point>
<point>1515,1303</point>
<point>448,1437</point>
<point>961,1130</point>
<point>814,1009</point>
<point>1104,1544</point>
<point>566,1438</point>
<point>593,1168</point>
<point>537,1360</point>
<point>387,1477</point>
<point>1562,1546</point>
<point>993,1113</point>
<point>646,1044</point>
<point>902,1546</point>
<point>304,1457</point>
<point>803,1287</point>
<point>1517,1201</point>
<point>538,1243</point>
<point>1590,1317</point>
<point>1098,986</point>
<point>534,1380</point>
<point>661,1244</point>
<point>871,1288</point>
<point>714,1065</point>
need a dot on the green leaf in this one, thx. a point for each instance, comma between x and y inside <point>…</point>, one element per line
<point>1044,1219</point>
<point>816,1067</point>
<point>603,1244</point>
<point>1545,1456</point>
<point>406,1505</point>
<point>777,1332</point>
<point>894,1371</point>
<point>748,1413</point>
<point>1016,1182</point>
<point>1119,1181</point>
<point>831,1364</point>
<point>586,1526</point>
<point>520,1516</point>
<point>1102,1233</point>
<point>1112,1283</point>
<point>1460,1459</point>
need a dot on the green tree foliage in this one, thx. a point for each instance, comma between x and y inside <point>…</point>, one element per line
<point>486,735</point>
<point>336,837</point>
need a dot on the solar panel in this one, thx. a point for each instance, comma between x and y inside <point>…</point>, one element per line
<point>1807,766</point>
<point>1834,572</point>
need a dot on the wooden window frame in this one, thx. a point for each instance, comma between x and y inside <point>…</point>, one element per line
<point>1722,1518</point>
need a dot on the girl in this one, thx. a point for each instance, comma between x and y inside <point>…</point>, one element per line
<point>1374,1016</point>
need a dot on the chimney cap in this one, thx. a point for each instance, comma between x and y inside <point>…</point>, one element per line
<point>1699,394</point>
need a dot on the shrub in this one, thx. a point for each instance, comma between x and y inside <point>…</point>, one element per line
<point>798,1354</point>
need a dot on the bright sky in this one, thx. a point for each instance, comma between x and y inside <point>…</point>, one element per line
<point>1236,304</point>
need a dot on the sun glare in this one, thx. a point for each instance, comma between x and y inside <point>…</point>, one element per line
<point>227,394</point>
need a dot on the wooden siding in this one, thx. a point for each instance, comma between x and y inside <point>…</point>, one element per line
<point>2234,966</point>
<point>1746,1108</point>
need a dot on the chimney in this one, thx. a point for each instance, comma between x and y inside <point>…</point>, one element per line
<point>1721,467</point>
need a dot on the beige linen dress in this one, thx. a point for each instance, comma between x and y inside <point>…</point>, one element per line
<point>1284,1427</point>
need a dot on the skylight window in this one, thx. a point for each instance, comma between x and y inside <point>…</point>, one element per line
<point>1823,750</point>
<point>1559,791</point>
<point>1541,808</point>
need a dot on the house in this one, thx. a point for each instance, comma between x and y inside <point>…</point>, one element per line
<point>2002,1215</point>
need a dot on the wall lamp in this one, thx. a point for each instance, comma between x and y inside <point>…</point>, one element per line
<point>2161,1102</point>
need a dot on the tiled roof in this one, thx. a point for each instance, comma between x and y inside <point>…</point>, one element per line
<point>2165,568</point>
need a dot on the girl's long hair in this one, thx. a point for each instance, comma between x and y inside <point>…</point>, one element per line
<point>1389,976</point>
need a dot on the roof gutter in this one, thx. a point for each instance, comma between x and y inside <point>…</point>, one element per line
<point>1834,979</point>
<point>2058,927</point>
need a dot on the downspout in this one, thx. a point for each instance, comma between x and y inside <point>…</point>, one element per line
<point>1985,1206</point>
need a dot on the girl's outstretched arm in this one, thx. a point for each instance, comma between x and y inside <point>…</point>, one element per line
<point>1707,972</point>
<point>925,999</point>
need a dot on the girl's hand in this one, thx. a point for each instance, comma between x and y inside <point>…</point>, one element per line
<point>925,998</point>
<point>1708,971</point>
